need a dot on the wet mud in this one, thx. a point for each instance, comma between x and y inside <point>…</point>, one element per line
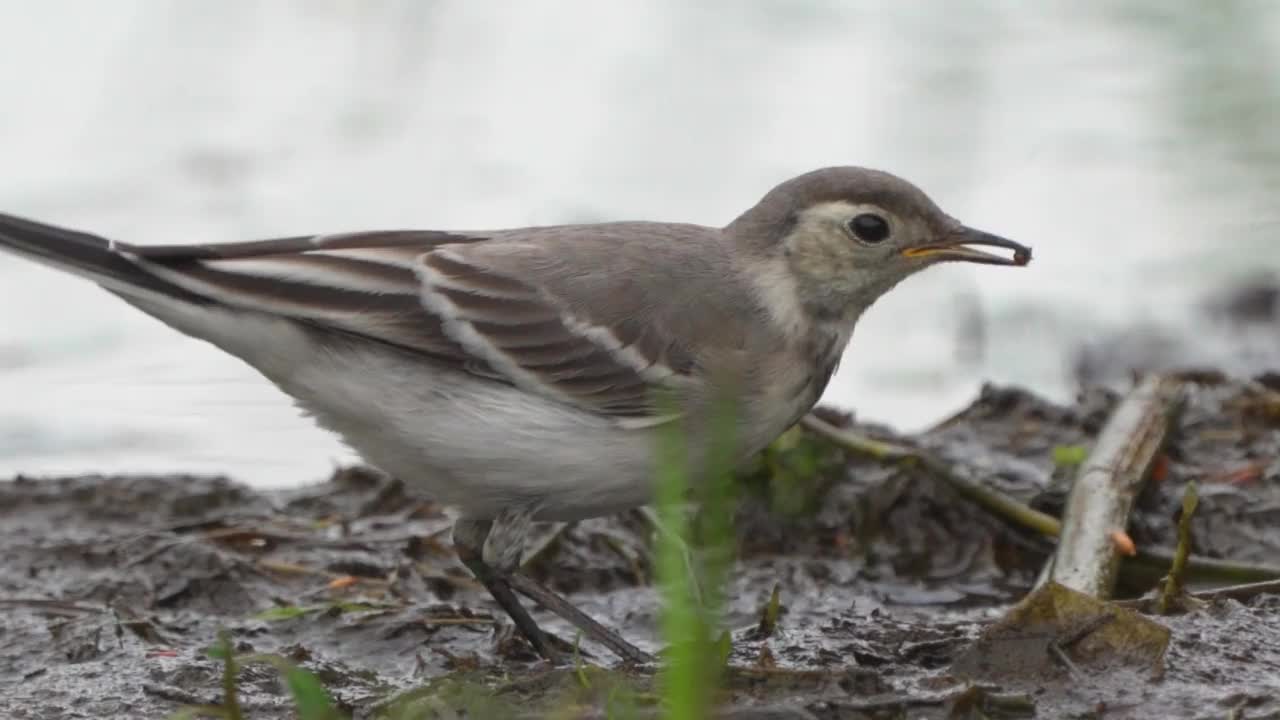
<point>895,592</point>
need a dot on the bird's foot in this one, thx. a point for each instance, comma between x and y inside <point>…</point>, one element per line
<point>491,550</point>
<point>553,602</point>
<point>499,587</point>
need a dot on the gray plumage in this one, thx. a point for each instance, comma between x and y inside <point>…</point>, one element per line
<point>512,373</point>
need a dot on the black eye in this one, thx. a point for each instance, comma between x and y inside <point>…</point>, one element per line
<point>869,228</point>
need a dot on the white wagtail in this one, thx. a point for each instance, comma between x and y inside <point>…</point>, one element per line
<point>512,373</point>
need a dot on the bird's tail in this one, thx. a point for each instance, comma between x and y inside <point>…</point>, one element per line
<point>86,255</point>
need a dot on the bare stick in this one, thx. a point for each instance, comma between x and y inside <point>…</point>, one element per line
<point>1241,593</point>
<point>994,501</point>
<point>1087,558</point>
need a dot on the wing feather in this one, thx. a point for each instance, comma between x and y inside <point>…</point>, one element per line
<point>529,335</point>
<point>418,291</point>
<point>359,284</point>
<point>419,240</point>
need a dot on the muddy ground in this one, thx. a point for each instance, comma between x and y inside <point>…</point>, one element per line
<point>112,588</point>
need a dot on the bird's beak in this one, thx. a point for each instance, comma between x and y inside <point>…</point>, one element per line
<point>958,246</point>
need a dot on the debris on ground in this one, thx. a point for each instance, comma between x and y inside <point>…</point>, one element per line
<point>865,586</point>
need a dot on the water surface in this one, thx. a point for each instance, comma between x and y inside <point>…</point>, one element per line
<point>1132,143</point>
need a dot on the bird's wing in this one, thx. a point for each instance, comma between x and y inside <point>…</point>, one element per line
<point>513,312</point>
<point>522,313</point>
<point>361,284</point>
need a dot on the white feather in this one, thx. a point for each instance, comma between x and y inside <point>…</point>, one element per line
<point>285,268</point>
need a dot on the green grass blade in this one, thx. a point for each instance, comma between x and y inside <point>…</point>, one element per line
<point>691,677</point>
<point>309,695</point>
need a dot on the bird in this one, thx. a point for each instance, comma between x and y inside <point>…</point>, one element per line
<point>519,375</point>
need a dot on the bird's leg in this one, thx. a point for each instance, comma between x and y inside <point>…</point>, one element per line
<point>500,556</point>
<point>470,540</point>
<point>503,548</point>
<point>553,602</point>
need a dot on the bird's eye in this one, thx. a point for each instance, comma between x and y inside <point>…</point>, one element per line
<point>869,228</point>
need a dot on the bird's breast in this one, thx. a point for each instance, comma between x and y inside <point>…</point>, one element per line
<point>788,389</point>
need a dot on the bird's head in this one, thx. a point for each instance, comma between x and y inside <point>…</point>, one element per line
<point>847,235</point>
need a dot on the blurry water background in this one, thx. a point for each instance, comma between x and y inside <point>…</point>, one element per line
<point>1135,144</point>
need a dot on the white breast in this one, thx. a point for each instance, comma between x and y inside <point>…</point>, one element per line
<point>472,443</point>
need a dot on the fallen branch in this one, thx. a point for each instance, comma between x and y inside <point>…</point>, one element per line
<point>1241,593</point>
<point>1019,514</point>
<point>1087,559</point>
<point>1205,569</point>
<point>992,500</point>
